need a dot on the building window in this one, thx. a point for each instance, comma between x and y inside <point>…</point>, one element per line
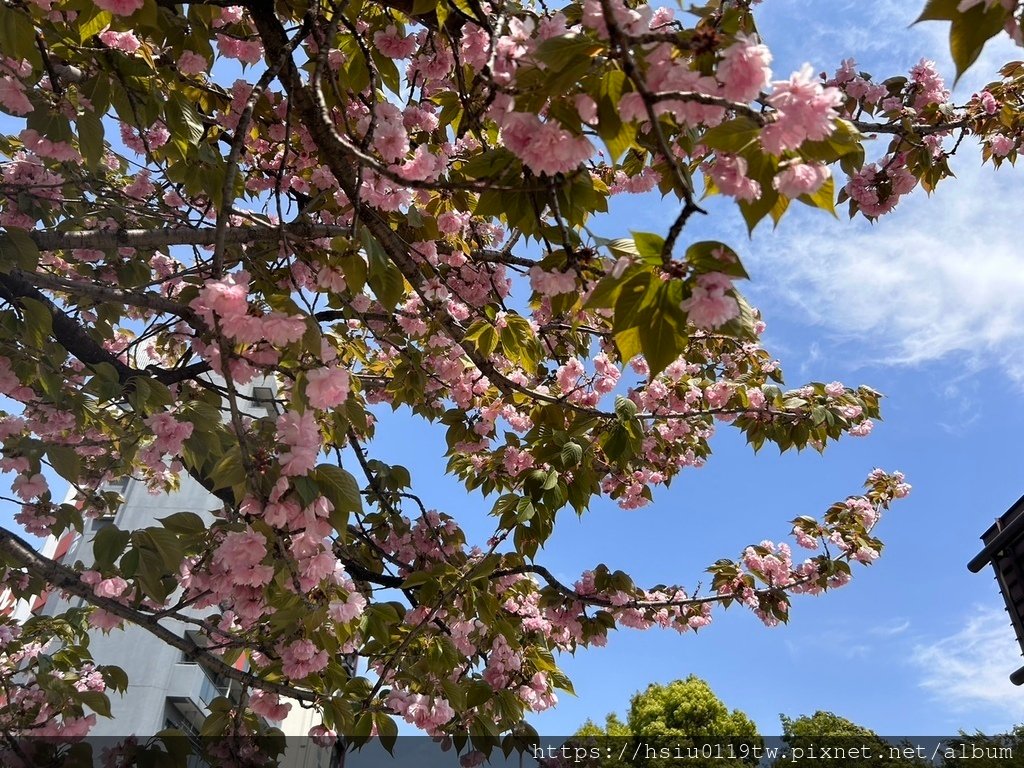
<point>263,399</point>
<point>109,514</point>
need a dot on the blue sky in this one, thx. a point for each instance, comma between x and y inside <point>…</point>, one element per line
<point>927,306</point>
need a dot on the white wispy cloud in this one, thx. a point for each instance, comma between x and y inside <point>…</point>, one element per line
<point>896,627</point>
<point>968,670</point>
<point>937,277</point>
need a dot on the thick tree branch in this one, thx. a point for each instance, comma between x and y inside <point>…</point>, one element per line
<point>100,292</point>
<point>168,236</point>
<point>70,335</point>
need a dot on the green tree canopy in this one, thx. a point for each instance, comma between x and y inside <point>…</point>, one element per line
<point>683,718</point>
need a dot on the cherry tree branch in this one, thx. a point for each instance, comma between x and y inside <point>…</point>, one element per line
<point>168,236</point>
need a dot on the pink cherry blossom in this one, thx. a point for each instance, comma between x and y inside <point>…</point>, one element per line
<point>12,96</point>
<point>120,41</point>
<point>392,44</point>
<point>120,7</point>
<point>246,51</point>
<point>170,432</point>
<point>191,63</point>
<point>744,70</point>
<point>729,172</point>
<point>268,705</point>
<point>30,486</point>
<point>281,329</point>
<point>301,434</point>
<point>805,110</point>
<point>709,306</point>
<point>552,283</point>
<point>301,658</point>
<point>800,179</point>
<point>1001,145</point>
<point>113,587</point>
<point>327,387</point>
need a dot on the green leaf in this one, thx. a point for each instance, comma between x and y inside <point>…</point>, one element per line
<point>183,522</point>
<point>65,461</point>
<point>91,21</point>
<point>38,321</point>
<point>617,135</point>
<point>18,36</point>
<point>631,297</point>
<point>228,471</point>
<point>559,53</point>
<point>713,256</point>
<point>387,730</point>
<point>627,342</point>
<point>385,278</point>
<point>183,120</point>
<point>571,454</point>
<point>971,30</point>
<point>519,342</point>
<point>115,677</point>
<point>108,545</point>
<point>215,724</point>
<point>733,136</point>
<point>648,246</point>
<point>625,408</point>
<point>90,138</point>
<point>17,251</point>
<point>622,246</point>
<point>96,701</point>
<point>824,198</point>
<point>482,335</point>
<point>165,543</point>
<point>939,10</point>
<point>353,266</point>
<point>340,488</point>
<point>470,9</point>
<point>663,327</point>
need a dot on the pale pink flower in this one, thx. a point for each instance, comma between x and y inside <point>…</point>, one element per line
<point>225,297</point>
<point>394,45</point>
<point>862,429</point>
<point>327,387</point>
<point>29,486</point>
<point>191,63</point>
<point>729,172</point>
<point>804,109</point>
<point>12,96</point>
<point>301,434</point>
<point>586,107</point>
<point>744,70</point>
<point>268,705</point>
<point>246,51</point>
<point>1001,145</point>
<point>170,432</point>
<point>800,179</point>
<point>348,609</point>
<point>391,140</point>
<point>280,329</point>
<point>301,658</point>
<point>835,389</point>
<point>709,306</point>
<point>930,87</point>
<point>120,7</point>
<point>120,41</point>
<point>552,283</point>
<point>988,103</point>
<point>113,587</point>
